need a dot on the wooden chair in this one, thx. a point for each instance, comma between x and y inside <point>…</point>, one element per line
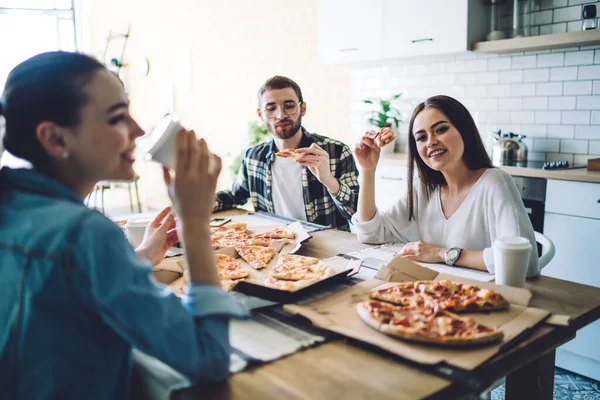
<point>102,186</point>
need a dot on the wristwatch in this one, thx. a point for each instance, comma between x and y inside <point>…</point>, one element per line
<point>451,255</point>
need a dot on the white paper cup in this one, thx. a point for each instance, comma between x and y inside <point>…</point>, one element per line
<point>136,227</point>
<point>511,260</point>
<point>159,146</point>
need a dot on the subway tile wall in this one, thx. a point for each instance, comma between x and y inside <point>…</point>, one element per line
<point>552,97</point>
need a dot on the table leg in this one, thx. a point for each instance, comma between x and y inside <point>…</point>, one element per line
<point>532,381</point>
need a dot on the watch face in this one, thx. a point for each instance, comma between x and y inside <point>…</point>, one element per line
<point>452,254</point>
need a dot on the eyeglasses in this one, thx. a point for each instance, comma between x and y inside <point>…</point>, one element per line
<point>288,108</point>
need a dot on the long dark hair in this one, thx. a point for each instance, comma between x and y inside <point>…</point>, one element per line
<point>46,87</point>
<point>474,156</point>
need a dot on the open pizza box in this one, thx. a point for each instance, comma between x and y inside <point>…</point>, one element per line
<point>337,313</point>
<point>253,285</point>
<point>171,269</point>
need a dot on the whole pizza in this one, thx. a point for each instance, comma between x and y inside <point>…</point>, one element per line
<point>425,311</point>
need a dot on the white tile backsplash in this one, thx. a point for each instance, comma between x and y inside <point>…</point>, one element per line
<point>574,146</point>
<point>510,76</point>
<point>522,89</point>
<point>588,102</point>
<point>579,57</point>
<point>589,72</point>
<point>552,96</point>
<point>536,75</point>
<point>550,60</point>
<point>549,89</point>
<point>562,103</point>
<point>577,87</point>
<point>563,74</point>
<point>576,117</point>
<point>587,132</point>
<point>567,14</point>
<point>524,62</point>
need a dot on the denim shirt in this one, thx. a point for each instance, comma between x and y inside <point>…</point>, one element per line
<point>75,298</point>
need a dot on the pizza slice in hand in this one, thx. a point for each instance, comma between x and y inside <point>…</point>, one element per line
<point>385,136</point>
<point>291,153</point>
<point>257,256</point>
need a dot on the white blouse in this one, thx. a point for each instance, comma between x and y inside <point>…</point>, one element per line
<point>492,208</point>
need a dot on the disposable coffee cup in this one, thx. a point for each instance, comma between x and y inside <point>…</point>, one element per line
<point>159,146</point>
<point>136,227</point>
<point>511,260</point>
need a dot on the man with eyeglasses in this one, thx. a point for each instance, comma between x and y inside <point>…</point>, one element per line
<point>320,186</point>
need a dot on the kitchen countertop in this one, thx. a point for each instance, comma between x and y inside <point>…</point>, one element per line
<point>577,174</point>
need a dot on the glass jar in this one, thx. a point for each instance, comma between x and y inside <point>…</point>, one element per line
<point>496,32</point>
<point>521,18</point>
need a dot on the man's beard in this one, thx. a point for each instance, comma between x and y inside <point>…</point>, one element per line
<point>289,131</point>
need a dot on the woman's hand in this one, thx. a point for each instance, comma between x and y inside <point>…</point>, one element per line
<point>423,252</point>
<point>367,152</point>
<point>192,190</point>
<point>159,236</point>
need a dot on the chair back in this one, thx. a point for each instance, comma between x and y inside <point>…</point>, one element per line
<point>548,249</point>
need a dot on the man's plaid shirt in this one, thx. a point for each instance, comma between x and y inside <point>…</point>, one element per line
<point>322,207</point>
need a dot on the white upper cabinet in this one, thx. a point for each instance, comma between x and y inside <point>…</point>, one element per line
<point>350,30</point>
<point>363,30</point>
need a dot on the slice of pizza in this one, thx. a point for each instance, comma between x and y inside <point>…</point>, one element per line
<point>295,268</point>
<point>257,256</point>
<point>229,284</point>
<point>439,327</point>
<point>385,136</point>
<point>290,286</point>
<point>282,232</point>
<point>291,153</point>
<point>230,268</point>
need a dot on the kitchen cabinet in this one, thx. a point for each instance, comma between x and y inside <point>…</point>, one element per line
<point>349,30</point>
<point>572,222</point>
<point>363,30</point>
<point>390,184</point>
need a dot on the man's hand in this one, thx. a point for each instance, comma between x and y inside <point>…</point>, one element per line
<point>317,161</point>
<point>423,252</point>
<point>159,236</point>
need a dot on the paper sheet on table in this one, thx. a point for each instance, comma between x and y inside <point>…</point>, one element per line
<point>376,257</point>
<point>264,338</point>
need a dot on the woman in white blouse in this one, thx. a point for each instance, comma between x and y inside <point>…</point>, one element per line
<point>460,203</point>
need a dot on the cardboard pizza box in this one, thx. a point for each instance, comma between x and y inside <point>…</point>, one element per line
<point>281,245</point>
<point>341,269</point>
<point>168,270</point>
<point>337,313</point>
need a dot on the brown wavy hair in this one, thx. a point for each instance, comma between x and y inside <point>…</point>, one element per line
<point>474,156</point>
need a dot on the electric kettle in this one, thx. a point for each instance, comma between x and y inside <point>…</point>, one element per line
<point>509,149</point>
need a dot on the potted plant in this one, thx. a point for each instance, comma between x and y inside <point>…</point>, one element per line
<point>256,134</point>
<point>384,114</point>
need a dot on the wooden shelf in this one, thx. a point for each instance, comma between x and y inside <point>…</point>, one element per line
<point>541,42</point>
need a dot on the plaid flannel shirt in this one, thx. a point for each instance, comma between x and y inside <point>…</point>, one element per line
<point>321,206</point>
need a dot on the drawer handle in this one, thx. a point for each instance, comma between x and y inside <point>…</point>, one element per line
<point>422,40</point>
<point>348,49</point>
<point>391,178</point>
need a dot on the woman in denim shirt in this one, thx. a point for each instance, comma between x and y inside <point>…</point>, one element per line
<point>74,295</point>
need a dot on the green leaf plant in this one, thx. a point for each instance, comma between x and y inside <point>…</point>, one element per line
<point>384,113</point>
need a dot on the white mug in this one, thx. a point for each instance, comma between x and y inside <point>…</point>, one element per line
<point>511,260</point>
<point>136,228</point>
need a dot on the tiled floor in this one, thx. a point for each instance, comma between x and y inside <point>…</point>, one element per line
<point>567,386</point>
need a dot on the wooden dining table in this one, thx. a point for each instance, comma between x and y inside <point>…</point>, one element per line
<point>346,369</point>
